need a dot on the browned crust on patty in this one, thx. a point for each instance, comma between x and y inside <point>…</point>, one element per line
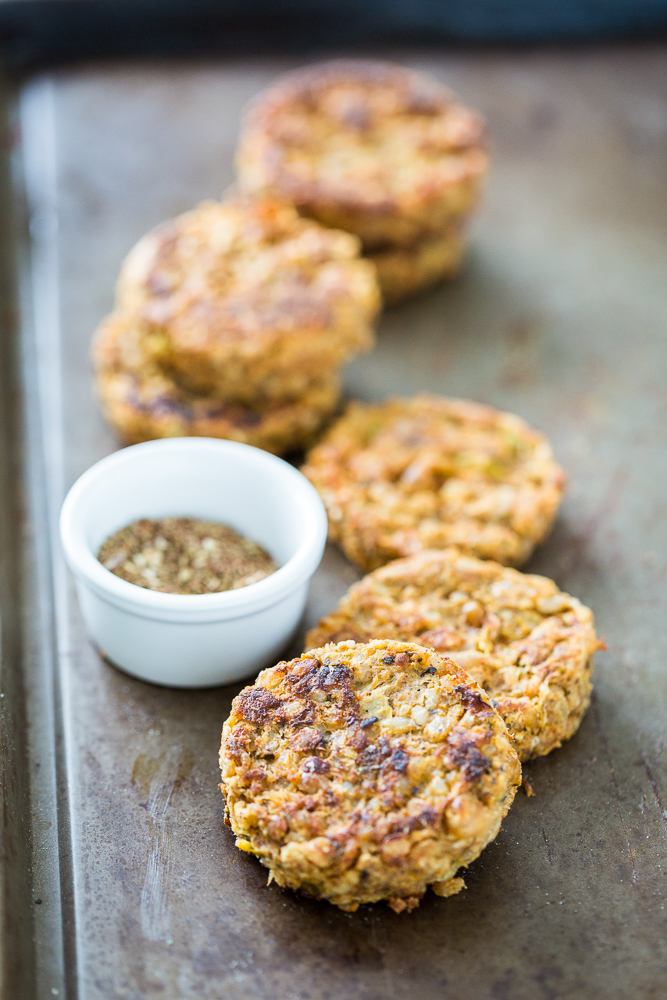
<point>370,147</point>
<point>250,303</point>
<point>529,645</point>
<point>428,472</point>
<point>142,401</point>
<point>405,271</point>
<point>365,772</point>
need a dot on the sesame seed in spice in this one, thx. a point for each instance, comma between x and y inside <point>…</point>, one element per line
<point>183,555</point>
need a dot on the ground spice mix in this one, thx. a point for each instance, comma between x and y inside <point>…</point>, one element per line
<point>183,555</point>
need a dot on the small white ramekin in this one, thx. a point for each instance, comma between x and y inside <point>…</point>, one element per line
<point>194,640</point>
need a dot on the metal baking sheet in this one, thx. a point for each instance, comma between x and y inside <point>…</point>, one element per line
<point>133,888</point>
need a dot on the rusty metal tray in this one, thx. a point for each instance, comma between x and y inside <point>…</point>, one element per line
<point>119,879</point>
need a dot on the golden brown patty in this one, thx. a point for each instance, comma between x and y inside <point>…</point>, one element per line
<point>142,402</point>
<point>425,473</point>
<point>250,302</point>
<point>369,147</point>
<point>529,645</point>
<point>404,271</point>
<point>366,772</point>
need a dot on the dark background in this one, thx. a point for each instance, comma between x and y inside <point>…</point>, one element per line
<point>35,33</point>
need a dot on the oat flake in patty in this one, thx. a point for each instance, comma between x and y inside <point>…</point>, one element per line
<point>183,555</point>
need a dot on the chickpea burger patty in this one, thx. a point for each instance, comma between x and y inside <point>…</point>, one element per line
<point>427,473</point>
<point>369,147</point>
<point>529,645</point>
<point>249,303</point>
<point>142,401</point>
<point>363,772</point>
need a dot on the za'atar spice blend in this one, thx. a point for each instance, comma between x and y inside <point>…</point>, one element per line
<point>183,555</point>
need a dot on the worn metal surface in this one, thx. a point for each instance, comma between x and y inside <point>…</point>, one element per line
<point>559,317</point>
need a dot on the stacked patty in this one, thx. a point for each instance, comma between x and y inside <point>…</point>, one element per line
<point>429,472</point>
<point>365,772</point>
<point>529,645</point>
<point>234,320</point>
<point>375,149</point>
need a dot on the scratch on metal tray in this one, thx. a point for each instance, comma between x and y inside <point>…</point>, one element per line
<point>155,915</point>
<point>656,791</point>
<point>388,992</point>
<point>550,850</point>
<point>612,772</point>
